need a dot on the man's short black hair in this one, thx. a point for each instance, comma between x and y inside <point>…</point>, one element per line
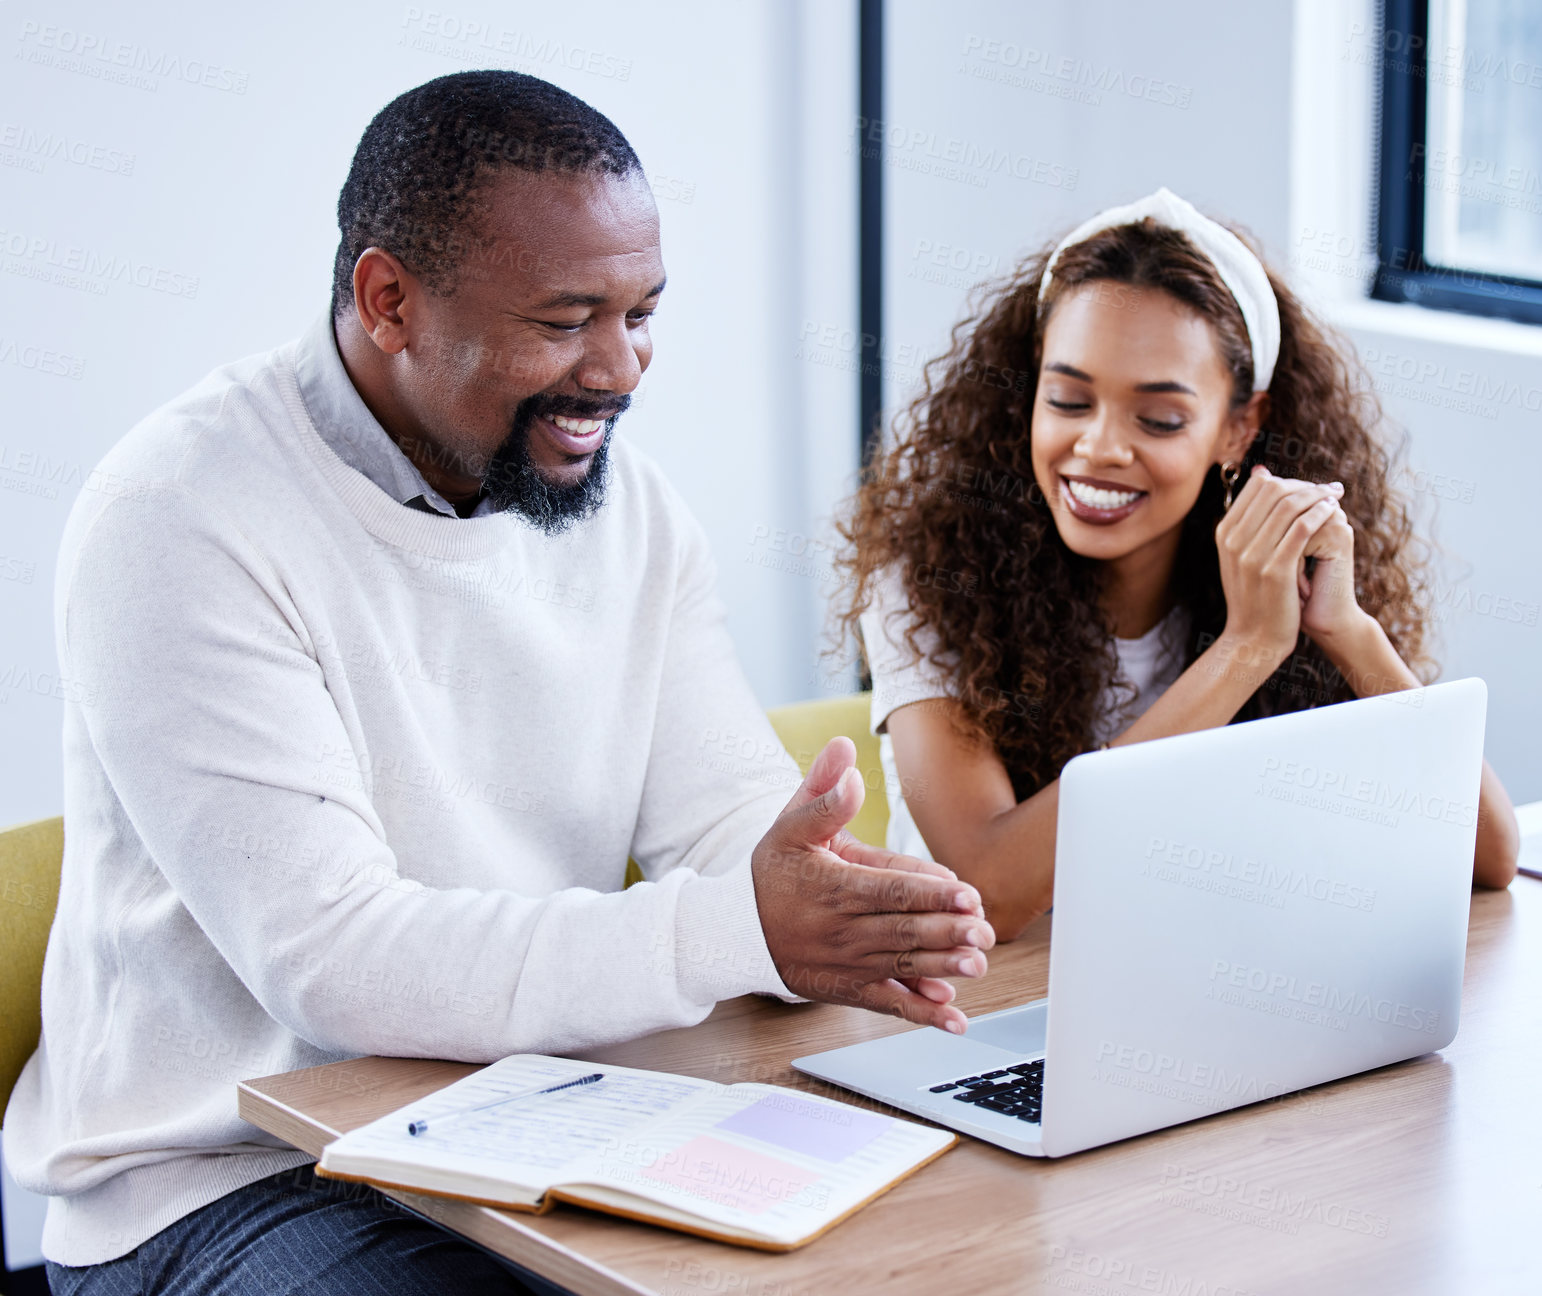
<point>417,169</point>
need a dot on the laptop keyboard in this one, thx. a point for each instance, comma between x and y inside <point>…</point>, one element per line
<point>1013,1091</point>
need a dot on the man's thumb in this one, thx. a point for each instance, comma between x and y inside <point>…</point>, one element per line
<point>818,820</point>
<point>839,754</point>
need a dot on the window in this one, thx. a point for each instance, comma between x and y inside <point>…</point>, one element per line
<point>1460,216</point>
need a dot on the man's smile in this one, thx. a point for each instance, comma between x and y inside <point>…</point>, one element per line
<point>573,436</point>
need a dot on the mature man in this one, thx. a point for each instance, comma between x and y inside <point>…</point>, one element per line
<point>387,660</point>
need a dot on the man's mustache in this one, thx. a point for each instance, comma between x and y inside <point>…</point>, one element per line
<point>545,405</point>
<point>541,405</point>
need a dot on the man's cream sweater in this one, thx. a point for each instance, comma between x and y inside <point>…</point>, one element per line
<point>343,777</point>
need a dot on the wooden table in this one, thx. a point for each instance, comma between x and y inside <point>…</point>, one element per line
<point>1424,1177</point>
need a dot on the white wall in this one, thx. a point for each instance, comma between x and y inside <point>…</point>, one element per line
<point>1009,123</point>
<point>190,157</point>
<point>1470,393</point>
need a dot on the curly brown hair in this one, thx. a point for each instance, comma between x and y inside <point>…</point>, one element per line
<point>951,508</point>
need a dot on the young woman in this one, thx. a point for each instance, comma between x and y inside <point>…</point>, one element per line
<point>1141,495</point>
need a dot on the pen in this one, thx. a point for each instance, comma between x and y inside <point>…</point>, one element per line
<point>421,1126</point>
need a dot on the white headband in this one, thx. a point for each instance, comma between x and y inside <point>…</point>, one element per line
<point>1241,271</point>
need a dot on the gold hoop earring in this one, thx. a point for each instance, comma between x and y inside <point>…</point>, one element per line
<point>1230,471</point>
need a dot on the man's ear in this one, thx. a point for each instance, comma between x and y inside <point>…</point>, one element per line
<point>1242,428</point>
<point>383,296</point>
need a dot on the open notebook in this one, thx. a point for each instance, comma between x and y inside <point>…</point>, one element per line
<point>758,1165</point>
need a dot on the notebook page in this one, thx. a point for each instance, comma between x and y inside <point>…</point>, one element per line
<point>761,1159</point>
<point>526,1141</point>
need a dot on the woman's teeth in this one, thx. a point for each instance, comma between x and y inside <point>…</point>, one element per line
<point>1098,498</point>
<point>577,426</point>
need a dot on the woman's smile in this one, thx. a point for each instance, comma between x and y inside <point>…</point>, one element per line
<point>1101,503</point>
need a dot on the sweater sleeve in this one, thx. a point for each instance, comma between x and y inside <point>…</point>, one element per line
<point>207,711</point>
<point>717,774</point>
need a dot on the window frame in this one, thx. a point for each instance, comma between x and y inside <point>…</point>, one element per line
<point>1402,273</point>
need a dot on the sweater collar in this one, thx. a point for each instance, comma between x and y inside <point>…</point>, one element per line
<point>355,436</point>
<point>378,507</point>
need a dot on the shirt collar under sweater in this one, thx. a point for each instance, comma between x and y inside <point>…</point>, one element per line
<point>355,435</point>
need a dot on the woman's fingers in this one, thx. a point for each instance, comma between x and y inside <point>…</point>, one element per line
<point>1333,537</point>
<point>1260,494</point>
<point>1291,501</point>
<point>1263,542</point>
<point>1238,519</point>
<point>1289,553</point>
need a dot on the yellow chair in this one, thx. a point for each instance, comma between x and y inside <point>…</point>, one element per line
<point>804,728</point>
<point>30,859</point>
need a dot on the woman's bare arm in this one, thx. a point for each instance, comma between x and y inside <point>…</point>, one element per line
<point>1005,849</point>
<point>1371,665</point>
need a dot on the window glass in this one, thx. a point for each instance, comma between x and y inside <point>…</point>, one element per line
<point>1483,158</point>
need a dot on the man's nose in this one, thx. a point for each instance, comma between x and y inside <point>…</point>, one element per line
<point>610,362</point>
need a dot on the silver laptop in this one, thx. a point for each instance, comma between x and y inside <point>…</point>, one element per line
<point>1239,913</point>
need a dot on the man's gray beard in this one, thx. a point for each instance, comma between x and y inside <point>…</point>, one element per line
<point>514,484</point>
